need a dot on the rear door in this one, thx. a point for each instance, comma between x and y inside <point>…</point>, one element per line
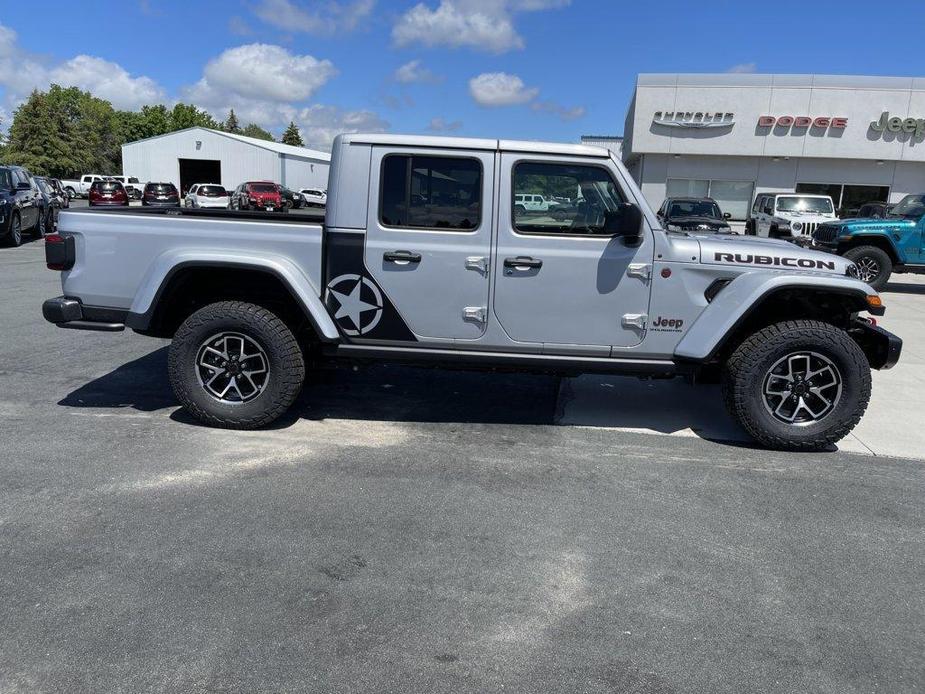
<point>561,279</point>
<point>428,237</point>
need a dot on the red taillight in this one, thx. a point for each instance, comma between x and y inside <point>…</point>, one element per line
<point>56,253</point>
<point>94,194</point>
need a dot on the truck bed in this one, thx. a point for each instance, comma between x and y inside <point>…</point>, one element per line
<point>123,255</point>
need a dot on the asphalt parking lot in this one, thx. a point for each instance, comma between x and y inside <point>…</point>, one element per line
<point>410,530</point>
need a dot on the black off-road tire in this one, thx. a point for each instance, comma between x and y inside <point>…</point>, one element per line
<point>746,369</point>
<point>283,352</point>
<point>872,256</point>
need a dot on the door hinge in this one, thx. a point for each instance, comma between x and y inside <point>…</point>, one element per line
<point>635,320</point>
<point>640,270</point>
<point>476,314</point>
<point>477,262</point>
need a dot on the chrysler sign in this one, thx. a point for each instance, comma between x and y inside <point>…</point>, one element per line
<point>693,119</point>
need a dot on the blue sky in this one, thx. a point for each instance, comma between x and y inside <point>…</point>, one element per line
<point>537,69</point>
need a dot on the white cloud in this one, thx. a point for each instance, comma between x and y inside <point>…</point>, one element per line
<point>412,72</point>
<point>743,68</point>
<point>441,125</point>
<point>323,18</point>
<point>500,89</point>
<point>20,73</point>
<point>319,124</point>
<point>265,71</point>
<point>481,24</point>
<point>565,113</point>
<point>109,81</point>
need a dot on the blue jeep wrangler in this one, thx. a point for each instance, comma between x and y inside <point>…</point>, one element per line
<point>880,247</point>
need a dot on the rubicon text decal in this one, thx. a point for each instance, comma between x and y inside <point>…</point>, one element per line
<point>749,259</point>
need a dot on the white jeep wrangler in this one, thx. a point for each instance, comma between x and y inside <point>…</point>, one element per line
<point>790,216</point>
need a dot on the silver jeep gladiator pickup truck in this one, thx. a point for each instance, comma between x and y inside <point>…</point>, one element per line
<point>425,257</point>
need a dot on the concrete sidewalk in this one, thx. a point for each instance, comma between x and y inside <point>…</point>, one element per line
<point>893,424</point>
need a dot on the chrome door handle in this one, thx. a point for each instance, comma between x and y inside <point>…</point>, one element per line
<point>401,257</point>
<point>522,262</point>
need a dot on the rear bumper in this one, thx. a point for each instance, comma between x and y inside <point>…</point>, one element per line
<point>68,312</point>
<point>160,203</point>
<point>881,347</point>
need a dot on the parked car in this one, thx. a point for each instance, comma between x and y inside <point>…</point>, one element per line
<point>132,185</point>
<point>790,216</point>
<point>693,215</point>
<point>20,205</point>
<point>460,281</point>
<point>61,193</point>
<point>107,194</point>
<point>874,210</point>
<point>80,188</point>
<point>291,199</point>
<point>211,195</point>
<point>880,247</point>
<point>52,203</point>
<point>527,202</point>
<point>257,195</point>
<point>314,197</point>
<point>160,195</point>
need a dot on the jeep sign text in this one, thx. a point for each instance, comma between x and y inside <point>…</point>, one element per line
<point>895,124</point>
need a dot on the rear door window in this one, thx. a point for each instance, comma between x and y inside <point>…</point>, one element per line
<point>212,191</point>
<point>428,192</point>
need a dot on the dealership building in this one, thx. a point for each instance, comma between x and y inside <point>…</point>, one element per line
<point>203,155</point>
<point>730,136</point>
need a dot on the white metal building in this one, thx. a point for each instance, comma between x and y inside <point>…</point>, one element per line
<point>730,136</point>
<point>202,155</point>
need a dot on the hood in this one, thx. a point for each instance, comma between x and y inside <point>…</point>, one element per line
<point>693,221</point>
<point>873,224</point>
<point>768,254</point>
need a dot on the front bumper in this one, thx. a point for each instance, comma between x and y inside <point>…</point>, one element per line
<point>881,347</point>
<point>68,312</point>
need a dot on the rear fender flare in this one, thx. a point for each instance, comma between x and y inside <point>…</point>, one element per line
<point>168,264</point>
<point>745,294</point>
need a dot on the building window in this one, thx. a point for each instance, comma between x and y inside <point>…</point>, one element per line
<point>847,198</point>
<point>431,192</point>
<point>733,197</point>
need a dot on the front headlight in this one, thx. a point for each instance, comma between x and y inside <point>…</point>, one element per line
<point>796,226</point>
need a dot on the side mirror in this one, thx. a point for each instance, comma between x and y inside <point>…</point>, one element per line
<point>625,221</point>
<point>727,215</point>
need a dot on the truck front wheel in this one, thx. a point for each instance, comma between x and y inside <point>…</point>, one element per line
<point>799,385</point>
<point>235,365</point>
<point>874,265</point>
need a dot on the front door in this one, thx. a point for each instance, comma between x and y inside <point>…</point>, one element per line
<point>428,238</point>
<point>561,278</point>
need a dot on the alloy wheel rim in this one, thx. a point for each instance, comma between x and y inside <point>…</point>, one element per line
<point>802,388</point>
<point>232,368</point>
<point>17,229</point>
<point>868,269</point>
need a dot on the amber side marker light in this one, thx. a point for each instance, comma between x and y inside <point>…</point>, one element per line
<point>874,301</point>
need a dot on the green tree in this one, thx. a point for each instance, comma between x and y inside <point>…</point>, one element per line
<point>292,136</point>
<point>231,123</point>
<point>253,130</point>
<point>188,116</point>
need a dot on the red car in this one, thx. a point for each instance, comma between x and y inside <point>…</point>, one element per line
<point>108,194</point>
<point>257,195</point>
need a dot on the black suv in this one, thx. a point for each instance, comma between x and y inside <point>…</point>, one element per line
<point>21,205</point>
<point>160,195</point>
<point>693,214</point>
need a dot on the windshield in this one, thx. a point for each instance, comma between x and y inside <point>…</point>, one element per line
<point>211,191</point>
<point>694,208</point>
<point>910,207</point>
<point>262,187</point>
<point>800,203</point>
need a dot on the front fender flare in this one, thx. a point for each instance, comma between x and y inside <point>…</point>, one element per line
<point>745,294</point>
<point>168,264</point>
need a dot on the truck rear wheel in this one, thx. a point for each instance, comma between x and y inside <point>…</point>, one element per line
<point>235,365</point>
<point>874,265</point>
<point>799,385</point>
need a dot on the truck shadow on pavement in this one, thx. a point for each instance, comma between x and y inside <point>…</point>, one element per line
<point>905,288</point>
<point>398,393</point>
